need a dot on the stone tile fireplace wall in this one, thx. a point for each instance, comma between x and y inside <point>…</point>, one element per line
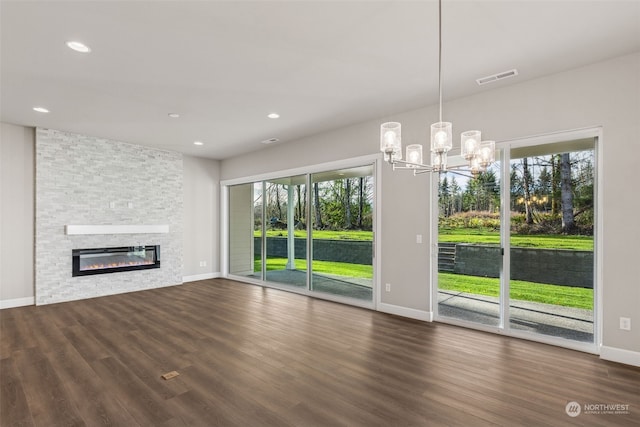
<point>84,180</point>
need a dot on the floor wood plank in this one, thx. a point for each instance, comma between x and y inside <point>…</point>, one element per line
<point>14,409</point>
<point>47,399</point>
<point>261,357</point>
<point>94,402</point>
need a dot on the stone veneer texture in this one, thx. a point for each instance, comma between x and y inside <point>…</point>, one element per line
<point>77,179</point>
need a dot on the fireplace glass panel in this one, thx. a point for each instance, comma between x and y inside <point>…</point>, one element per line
<point>111,260</point>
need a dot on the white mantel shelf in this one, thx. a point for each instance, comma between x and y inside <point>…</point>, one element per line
<point>116,229</point>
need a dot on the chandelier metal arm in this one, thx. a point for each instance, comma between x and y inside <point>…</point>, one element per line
<point>457,171</point>
<point>404,165</point>
<point>419,168</point>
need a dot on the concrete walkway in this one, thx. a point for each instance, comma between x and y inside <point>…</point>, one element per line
<point>349,287</point>
<point>566,322</point>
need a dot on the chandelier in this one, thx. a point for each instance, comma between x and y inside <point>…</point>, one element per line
<point>478,154</point>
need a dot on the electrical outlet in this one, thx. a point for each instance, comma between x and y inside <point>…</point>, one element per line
<point>625,323</point>
<point>419,238</point>
<point>203,263</point>
<point>388,287</point>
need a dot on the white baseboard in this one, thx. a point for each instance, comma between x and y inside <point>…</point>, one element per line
<point>411,313</point>
<point>17,302</point>
<point>197,277</point>
<point>619,355</point>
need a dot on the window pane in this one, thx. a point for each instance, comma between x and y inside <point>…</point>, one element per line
<point>552,262</point>
<point>286,232</point>
<point>342,245</point>
<point>245,219</point>
<point>469,252</point>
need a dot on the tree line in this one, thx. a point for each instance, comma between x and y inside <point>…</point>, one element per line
<point>546,190</point>
<point>341,204</point>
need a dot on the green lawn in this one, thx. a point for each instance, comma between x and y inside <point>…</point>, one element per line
<point>553,241</point>
<point>323,234</point>
<point>460,235</point>
<point>321,267</point>
<point>519,290</point>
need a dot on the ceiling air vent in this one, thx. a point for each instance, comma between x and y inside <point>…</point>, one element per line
<point>495,77</point>
<point>270,141</point>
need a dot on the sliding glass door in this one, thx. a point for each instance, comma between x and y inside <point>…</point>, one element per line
<point>469,250</point>
<point>525,265</point>
<point>342,236</point>
<point>245,230</point>
<point>311,232</point>
<point>286,231</point>
<point>552,246</point>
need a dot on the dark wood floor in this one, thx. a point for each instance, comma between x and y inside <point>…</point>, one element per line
<point>249,356</point>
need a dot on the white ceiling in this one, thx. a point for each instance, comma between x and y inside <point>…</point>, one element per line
<point>224,65</point>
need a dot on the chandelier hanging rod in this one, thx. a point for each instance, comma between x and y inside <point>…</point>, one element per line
<point>440,60</point>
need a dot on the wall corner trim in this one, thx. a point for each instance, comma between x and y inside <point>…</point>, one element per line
<point>411,313</point>
<point>204,276</point>
<point>620,355</point>
<point>17,302</point>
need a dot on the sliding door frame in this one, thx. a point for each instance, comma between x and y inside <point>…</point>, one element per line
<point>374,160</point>
<point>503,328</point>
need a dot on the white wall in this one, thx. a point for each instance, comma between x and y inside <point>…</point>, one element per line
<point>603,94</point>
<point>17,172</point>
<point>201,222</point>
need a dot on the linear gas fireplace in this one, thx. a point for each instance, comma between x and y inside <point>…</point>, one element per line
<point>112,260</point>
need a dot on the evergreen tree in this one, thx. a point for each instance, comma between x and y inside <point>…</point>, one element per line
<point>566,194</point>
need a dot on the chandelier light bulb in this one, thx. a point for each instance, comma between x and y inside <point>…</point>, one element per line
<point>441,140</point>
<point>391,140</point>
<point>439,161</point>
<point>414,155</point>
<point>469,144</point>
<point>475,166</point>
<point>487,153</point>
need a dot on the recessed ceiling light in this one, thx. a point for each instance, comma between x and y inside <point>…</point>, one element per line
<point>198,143</point>
<point>270,141</point>
<point>274,116</point>
<point>40,109</point>
<point>174,115</point>
<point>78,46</point>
